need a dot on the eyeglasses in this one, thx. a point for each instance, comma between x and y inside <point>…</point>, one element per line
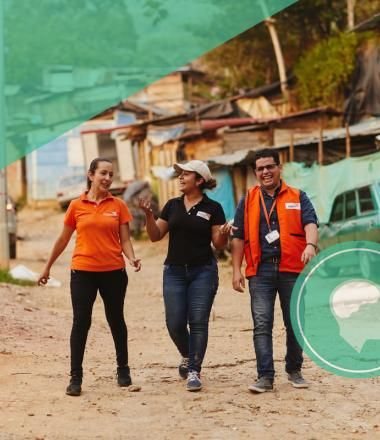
<point>269,167</point>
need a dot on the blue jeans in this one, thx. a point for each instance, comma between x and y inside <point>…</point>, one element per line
<point>263,289</point>
<point>189,293</point>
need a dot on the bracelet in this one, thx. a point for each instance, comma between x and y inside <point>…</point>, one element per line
<point>312,244</point>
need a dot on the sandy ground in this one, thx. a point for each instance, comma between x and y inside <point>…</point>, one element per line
<point>34,364</point>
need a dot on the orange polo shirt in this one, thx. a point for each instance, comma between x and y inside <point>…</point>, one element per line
<point>97,247</point>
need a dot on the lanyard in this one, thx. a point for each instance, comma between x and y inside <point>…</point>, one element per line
<point>267,216</point>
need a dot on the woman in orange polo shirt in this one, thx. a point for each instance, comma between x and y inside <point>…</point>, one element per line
<point>101,223</point>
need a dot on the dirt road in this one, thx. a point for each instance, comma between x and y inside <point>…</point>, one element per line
<point>34,364</point>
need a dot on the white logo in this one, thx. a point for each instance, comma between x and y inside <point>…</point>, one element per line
<point>351,303</point>
<point>204,215</point>
<point>111,214</point>
<point>293,206</point>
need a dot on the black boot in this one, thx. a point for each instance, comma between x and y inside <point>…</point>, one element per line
<point>123,377</point>
<point>75,386</point>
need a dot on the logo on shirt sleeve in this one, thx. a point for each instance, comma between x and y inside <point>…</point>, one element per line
<point>204,215</point>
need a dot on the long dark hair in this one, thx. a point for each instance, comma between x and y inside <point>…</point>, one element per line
<point>93,167</point>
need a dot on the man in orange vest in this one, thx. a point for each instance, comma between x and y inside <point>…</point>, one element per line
<point>276,230</point>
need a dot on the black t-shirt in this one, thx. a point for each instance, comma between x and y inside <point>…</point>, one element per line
<point>190,232</point>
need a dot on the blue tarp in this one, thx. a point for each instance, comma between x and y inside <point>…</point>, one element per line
<point>125,118</point>
<point>46,166</point>
<point>224,192</point>
<point>158,136</point>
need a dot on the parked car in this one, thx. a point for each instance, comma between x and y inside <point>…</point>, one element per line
<point>355,215</point>
<point>12,226</point>
<point>71,187</point>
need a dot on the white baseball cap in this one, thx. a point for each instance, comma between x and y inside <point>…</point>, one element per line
<point>196,166</point>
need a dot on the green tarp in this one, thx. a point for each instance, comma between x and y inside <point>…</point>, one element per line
<point>323,183</point>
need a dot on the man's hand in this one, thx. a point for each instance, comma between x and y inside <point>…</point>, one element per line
<point>238,281</point>
<point>308,254</point>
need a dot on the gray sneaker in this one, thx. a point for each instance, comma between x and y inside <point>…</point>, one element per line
<point>297,380</point>
<point>262,385</point>
<point>193,381</point>
<point>183,368</point>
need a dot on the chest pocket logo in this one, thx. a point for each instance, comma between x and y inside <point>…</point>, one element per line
<point>204,215</point>
<point>111,214</point>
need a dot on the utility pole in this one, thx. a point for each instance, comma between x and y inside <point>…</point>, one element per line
<point>351,14</point>
<point>270,24</point>
<point>4,239</point>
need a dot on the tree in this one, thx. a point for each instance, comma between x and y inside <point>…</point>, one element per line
<point>321,80</point>
<point>270,23</point>
<point>351,13</point>
<point>247,60</point>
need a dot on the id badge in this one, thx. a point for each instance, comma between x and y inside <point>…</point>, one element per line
<point>272,236</point>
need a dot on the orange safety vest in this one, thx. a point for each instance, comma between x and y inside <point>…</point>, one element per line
<point>292,233</point>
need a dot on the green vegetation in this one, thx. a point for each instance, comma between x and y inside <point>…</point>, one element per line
<point>315,44</point>
<point>324,72</point>
<point>5,277</point>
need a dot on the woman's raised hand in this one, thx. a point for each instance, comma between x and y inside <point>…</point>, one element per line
<point>145,205</point>
<point>228,228</point>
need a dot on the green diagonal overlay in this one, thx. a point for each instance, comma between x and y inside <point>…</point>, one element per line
<point>64,61</point>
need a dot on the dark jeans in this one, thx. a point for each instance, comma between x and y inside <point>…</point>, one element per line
<point>188,295</point>
<point>263,289</point>
<point>84,287</point>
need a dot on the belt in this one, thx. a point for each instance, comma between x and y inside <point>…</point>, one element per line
<point>275,260</point>
<point>186,266</point>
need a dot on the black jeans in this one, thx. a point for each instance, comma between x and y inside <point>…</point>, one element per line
<point>84,287</point>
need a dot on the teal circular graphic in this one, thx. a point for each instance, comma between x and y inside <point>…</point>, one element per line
<point>335,309</point>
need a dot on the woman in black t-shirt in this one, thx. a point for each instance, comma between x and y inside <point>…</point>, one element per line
<point>190,277</point>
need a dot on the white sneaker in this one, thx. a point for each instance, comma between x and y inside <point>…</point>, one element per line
<point>193,381</point>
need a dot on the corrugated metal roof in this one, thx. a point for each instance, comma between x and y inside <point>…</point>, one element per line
<point>366,128</point>
<point>236,122</point>
<point>235,158</point>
